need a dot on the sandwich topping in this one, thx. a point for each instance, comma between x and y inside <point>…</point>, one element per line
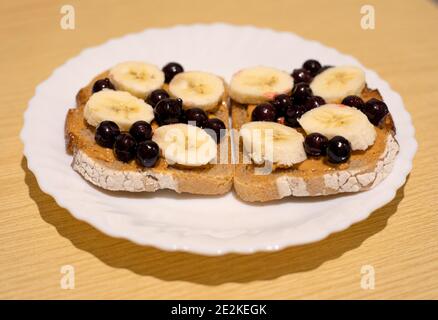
<point>259,84</point>
<point>134,114</point>
<point>333,120</point>
<point>145,113</point>
<point>272,142</point>
<point>185,145</point>
<point>120,107</point>
<point>198,89</point>
<point>137,78</point>
<point>336,83</point>
<point>317,109</point>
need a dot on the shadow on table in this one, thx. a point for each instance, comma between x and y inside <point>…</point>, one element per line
<point>172,266</point>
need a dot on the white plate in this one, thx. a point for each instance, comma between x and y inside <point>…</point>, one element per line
<point>206,225</point>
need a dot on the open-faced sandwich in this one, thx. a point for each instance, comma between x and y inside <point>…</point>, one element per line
<point>318,131</point>
<point>138,128</point>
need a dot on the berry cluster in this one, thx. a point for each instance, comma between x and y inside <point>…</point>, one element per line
<point>337,149</point>
<point>128,145</point>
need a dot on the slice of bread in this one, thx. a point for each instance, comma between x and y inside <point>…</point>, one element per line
<point>314,176</point>
<point>99,166</point>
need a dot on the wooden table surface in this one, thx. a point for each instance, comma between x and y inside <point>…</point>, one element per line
<point>400,240</point>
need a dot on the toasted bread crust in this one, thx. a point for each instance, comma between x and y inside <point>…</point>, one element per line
<point>99,166</point>
<point>314,176</point>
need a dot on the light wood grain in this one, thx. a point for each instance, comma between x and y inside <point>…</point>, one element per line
<point>400,240</point>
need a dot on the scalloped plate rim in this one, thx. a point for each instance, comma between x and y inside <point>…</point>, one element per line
<point>363,212</point>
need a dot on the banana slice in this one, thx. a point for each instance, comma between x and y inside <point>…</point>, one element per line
<point>259,84</point>
<point>334,84</point>
<point>197,89</point>
<point>272,142</point>
<point>118,106</point>
<point>339,120</point>
<point>138,78</point>
<point>185,145</point>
